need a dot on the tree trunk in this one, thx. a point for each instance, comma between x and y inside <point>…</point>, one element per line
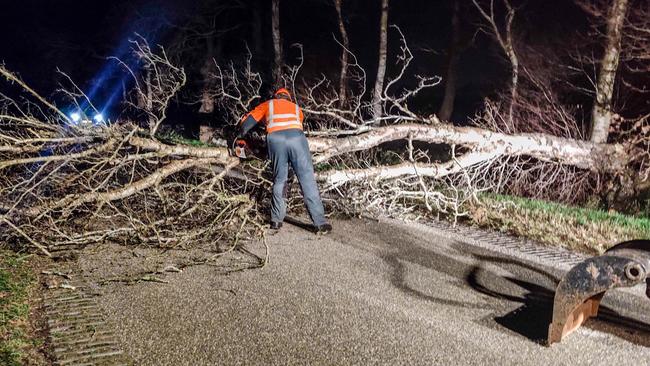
<point>447,106</point>
<point>207,101</point>
<point>145,101</point>
<point>277,42</point>
<point>514,62</point>
<point>343,82</point>
<point>602,111</point>
<point>256,25</point>
<point>506,43</point>
<point>381,69</point>
<point>581,154</point>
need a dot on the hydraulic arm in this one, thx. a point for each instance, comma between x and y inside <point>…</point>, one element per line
<point>579,293</point>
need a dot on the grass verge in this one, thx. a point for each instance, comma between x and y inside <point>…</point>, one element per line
<point>176,138</point>
<point>583,229</point>
<point>19,344</point>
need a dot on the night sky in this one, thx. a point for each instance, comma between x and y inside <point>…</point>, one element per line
<point>39,36</point>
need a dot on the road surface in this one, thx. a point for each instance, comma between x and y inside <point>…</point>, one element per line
<point>369,294</point>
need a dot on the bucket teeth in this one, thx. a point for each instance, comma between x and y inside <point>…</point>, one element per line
<point>579,293</point>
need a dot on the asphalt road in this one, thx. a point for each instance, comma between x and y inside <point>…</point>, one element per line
<point>368,294</point>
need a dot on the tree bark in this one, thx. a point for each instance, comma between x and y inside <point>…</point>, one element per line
<point>514,61</point>
<point>337,177</point>
<point>145,101</point>
<point>212,53</point>
<point>277,42</point>
<point>610,158</point>
<point>506,43</point>
<point>258,48</point>
<point>381,69</point>
<point>343,82</point>
<point>602,111</point>
<point>447,106</point>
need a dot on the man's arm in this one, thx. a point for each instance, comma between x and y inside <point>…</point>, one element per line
<point>257,115</point>
<point>247,125</point>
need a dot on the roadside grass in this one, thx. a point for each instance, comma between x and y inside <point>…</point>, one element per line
<point>584,229</point>
<point>18,343</point>
<point>176,138</point>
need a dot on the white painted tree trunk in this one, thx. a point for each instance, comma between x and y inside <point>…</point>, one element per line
<point>602,111</point>
<point>381,69</point>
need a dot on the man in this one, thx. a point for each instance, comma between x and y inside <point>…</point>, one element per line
<point>287,144</point>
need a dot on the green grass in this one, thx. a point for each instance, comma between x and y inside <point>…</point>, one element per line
<point>17,280</point>
<point>585,229</point>
<point>175,138</point>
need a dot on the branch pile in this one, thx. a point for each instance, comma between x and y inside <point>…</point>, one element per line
<point>403,161</point>
<point>65,185</point>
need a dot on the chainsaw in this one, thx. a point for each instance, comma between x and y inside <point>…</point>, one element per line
<point>579,293</point>
<point>253,147</point>
<point>241,149</point>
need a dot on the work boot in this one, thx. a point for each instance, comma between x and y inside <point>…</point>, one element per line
<point>323,229</point>
<point>276,225</point>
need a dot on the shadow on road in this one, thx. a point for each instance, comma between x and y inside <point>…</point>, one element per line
<point>299,223</point>
<point>530,286</point>
<point>399,248</point>
<point>398,279</point>
<point>532,319</point>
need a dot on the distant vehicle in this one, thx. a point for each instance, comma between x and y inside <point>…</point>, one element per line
<point>80,116</point>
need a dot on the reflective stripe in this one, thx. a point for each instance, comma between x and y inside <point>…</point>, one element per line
<point>284,123</point>
<point>286,115</point>
<point>276,124</point>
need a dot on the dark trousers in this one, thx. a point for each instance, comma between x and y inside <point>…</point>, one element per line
<point>291,147</point>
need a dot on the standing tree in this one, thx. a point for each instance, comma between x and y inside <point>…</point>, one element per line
<point>504,38</point>
<point>277,41</point>
<point>381,69</point>
<point>343,83</point>
<point>602,110</point>
<point>212,53</point>
<point>257,30</point>
<point>620,112</point>
<point>450,80</point>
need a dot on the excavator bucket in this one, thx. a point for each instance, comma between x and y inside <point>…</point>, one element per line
<point>579,293</point>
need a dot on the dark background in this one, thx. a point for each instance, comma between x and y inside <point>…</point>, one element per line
<point>39,37</point>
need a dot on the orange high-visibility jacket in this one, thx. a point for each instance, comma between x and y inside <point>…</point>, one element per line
<point>277,115</point>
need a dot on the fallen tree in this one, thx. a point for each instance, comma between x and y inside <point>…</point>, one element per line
<point>66,185</point>
<point>582,154</point>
